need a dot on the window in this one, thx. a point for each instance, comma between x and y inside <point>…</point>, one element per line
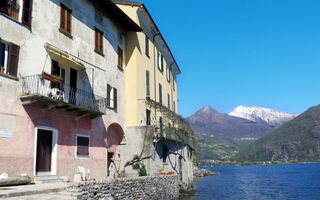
<point>98,42</point>
<point>148,117</point>
<point>160,93</point>
<point>173,83</point>
<point>147,83</point>
<point>147,45</point>
<point>168,73</point>
<point>12,9</point>
<point>65,19</point>
<point>83,145</point>
<point>174,106</point>
<point>168,100</point>
<point>161,124</point>
<point>26,13</point>
<point>120,58</point>
<point>9,58</point>
<point>160,61</point>
<point>112,97</point>
<point>57,71</point>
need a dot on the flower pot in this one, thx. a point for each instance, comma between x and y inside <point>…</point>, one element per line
<point>2,70</point>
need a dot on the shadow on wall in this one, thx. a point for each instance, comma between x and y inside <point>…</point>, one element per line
<point>68,125</point>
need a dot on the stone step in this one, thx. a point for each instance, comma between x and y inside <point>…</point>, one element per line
<point>47,179</point>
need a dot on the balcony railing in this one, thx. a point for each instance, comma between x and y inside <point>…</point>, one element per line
<point>36,85</point>
<point>11,8</point>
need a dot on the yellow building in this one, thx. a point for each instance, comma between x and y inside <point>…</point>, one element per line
<point>151,100</point>
<point>151,69</point>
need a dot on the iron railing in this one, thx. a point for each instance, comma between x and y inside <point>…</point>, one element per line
<point>11,8</point>
<point>37,85</point>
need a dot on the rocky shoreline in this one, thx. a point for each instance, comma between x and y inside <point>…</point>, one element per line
<point>202,172</point>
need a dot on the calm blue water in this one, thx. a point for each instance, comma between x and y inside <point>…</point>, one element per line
<point>285,181</point>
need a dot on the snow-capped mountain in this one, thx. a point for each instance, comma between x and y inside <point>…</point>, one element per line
<point>262,115</point>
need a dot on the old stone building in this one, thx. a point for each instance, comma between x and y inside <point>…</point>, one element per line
<point>90,87</point>
<point>62,91</point>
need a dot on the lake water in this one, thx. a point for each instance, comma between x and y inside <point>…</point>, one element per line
<point>265,182</point>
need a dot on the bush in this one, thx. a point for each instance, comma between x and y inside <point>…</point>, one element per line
<point>142,171</point>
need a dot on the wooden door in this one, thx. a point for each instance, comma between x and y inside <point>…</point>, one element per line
<point>44,151</point>
<point>73,86</point>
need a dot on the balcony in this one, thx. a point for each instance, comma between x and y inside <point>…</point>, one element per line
<point>177,135</point>
<point>52,94</point>
<point>10,8</point>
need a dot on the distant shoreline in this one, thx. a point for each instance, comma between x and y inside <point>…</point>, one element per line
<point>259,163</point>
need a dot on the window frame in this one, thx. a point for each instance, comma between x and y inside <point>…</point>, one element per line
<point>98,41</point>
<point>168,71</point>
<point>11,59</point>
<point>147,83</point>
<point>160,93</point>
<point>65,12</point>
<point>148,117</point>
<point>146,46</point>
<point>76,145</point>
<point>120,58</point>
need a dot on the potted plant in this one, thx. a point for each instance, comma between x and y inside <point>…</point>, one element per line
<point>1,69</point>
<point>53,78</point>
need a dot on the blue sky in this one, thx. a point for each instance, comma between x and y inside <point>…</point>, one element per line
<point>243,52</point>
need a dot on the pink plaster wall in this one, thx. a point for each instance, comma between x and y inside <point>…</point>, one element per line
<point>17,153</point>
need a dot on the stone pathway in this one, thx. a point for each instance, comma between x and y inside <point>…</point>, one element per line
<point>47,196</point>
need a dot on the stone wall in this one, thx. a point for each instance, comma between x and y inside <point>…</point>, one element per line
<point>148,187</point>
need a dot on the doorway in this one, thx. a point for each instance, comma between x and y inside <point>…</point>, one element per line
<point>44,151</point>
<point>73,86</point>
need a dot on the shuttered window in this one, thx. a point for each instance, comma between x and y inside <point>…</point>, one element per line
<point>160,93</point>
<point>147,45</point>
<point>26,12</point>
<point>147,83</point>
<point>13,60</point>
<point>148,117</point>
<point>83,145</point>
<point>115,99</point>
<point>112,97</point>
<point>108,95</point>
<point>120,58</point>
<point>98,42</point>
<point>65,19</point>
<point>161,124</point>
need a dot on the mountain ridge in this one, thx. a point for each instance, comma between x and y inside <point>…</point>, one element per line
<point>258,114</point>
<point>296,140</point>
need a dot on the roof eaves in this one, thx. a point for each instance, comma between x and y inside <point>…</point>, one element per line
<point>116,14</point>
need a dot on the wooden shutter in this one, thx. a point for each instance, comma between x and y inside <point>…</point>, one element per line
<point>83,146</point>
<point>96,40</point>
<point>100,42</point>
<point>108,94</point>
<point>26,13</point>
<point>120,58</point>
<point>69,20</point>
<point>62,17</point>
<point>115,99</point>
<point>147,83</point>
<point>13,59</point>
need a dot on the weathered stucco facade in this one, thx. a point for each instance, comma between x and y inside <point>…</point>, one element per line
<point>30,103</point>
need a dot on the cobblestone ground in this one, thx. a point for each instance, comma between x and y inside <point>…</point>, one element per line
<point>47,196</point>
